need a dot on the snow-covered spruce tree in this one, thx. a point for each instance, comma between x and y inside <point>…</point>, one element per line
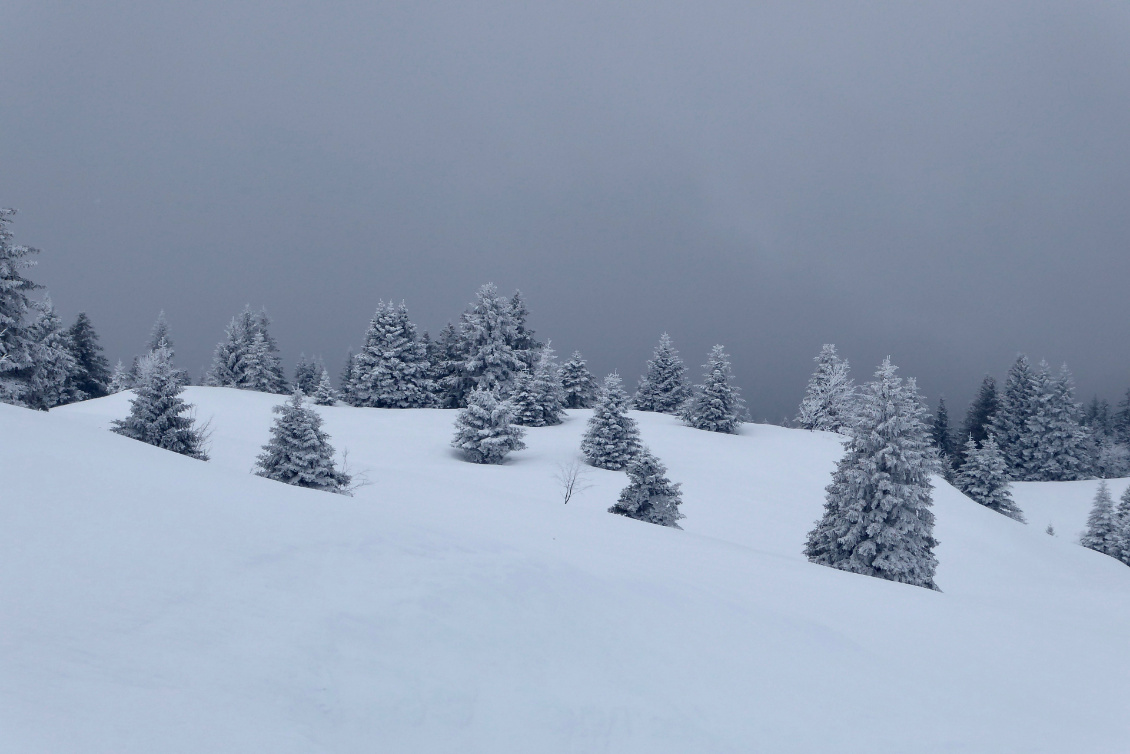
<point>485,430</point>
<point>1017,405</point>
<point>612,439</point>
<point>53,377</point>
<point>979,417</point>
<point>120,380</point>
<point>17,346</point>
<point>942,438</point>
<point>1121,422</point>
<point>1122,526</point>
<point>1102,534</point>
<point>828,399</point>
<point>391,369</point>
<point>248,357</point>
<point>984,478</point>
<point>650,496</point>
<point>158,415</point>
<point>93,377</point>
<point>345,379</point>
<point>1054,445</point>
<point>877,519</point>
<point>664,387</point>
<point>525,346</point>
<point>538,398</point>
<point>445,361</point>
<point>578,383</point>
<point>487,330</point>
<point>299,451</point>
<point>306,375</point>
<point>715,405</point>
<point>159,336</point>
<point>524,400</point>
<point>324,394</point>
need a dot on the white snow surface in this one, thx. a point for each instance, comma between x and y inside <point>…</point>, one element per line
<point>154,603</point>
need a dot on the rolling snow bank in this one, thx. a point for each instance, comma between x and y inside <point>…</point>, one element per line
<point>154,603</point>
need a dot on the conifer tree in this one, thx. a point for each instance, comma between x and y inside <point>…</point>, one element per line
<point>664,387</point>
<point>1017,406</point>
<point>1101,534</point>
<point>979,417</point>
<point>578,383</point>
<point>120,380</point>
<point>828,399</point>
<point>941,436</point>
<point>523,399</point>
<point>157,412</point>
<point>17,345</point>
<point>248,357</point>
<point>538,398</point>
<point>159,336</point>
<point>306,375</point>
<point>93,376</point>
<point>324,394</point>
<point>1122,420</point>
<point>612,439</point>
<point>984,477</point>
<point>391,369</point>
<point>1054,445</point>
<point>487,331</point>
<point>715,405</point>
<point>650,496</point>
<point>299,451</point>
<point>346,378</point>
<point>53,378</point>
<point>525,346</point>
<point>877,519</point>
<point>1122,526</point>
<point>485,430</point>
<point>446,362</point>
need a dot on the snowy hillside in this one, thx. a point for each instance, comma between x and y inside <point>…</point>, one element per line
<point>154,603</point>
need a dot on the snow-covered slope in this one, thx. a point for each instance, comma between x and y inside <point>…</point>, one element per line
<point>153,603</point>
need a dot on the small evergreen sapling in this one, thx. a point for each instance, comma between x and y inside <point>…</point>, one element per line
<point>578,383</point>
<point>827,403</point>
<point>984,477</point>
<point>485,430</point>
<point>158,415</point>
<point>715,405</point>
<point>877,519</point>
<point>299,451</point>
<point>612,439</point>
<point>324,393</point>
<point>1102,534</point>
<point>664,388</point>
<point>650,496</point>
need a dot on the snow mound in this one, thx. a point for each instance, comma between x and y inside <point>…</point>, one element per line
<point>152,602</point>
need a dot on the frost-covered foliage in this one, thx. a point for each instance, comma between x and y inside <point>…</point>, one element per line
<point>487,331</point>
<point>158,415</point>
<point>324,393</point>
<point>877,519</point>
<point>612,439</point>
<point>485,430</point>
<point>1102,534</point>
<point>538,397</point>
<point>52,380</point>
<point>307,373</point>
<point>942,437</point>
<point>650,496</point>
<point>1017,406</point>
<point>121,379</point>
<point>523,342</point>
<point>345,377</point>
<point>17,345</point>
<point>299,451</point>
<point>248,357</point>
<point>979,417</point>
<point>828,399</point>
<point>984,477</point>
<point>93,376</point>
<point>1122,526</point>
<point>715,405</point>
<point>578,383</point>
<point>391,370</point>
<point>1054,447</point>
<point>664,387</point>
<point>445,359</point>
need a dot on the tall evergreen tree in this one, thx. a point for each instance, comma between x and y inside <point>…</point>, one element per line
<point>650,496</point>
<point>324,394</point>
<point>941,436</point>
<point>578,383</point>
<point>538,397</point>
<point>525,346</point>
<point>485,430</point>
<point>54,375</point>
<point>157,412</point>
<point>1101,534</point>
<point>248,357</point>
<point>1011,421</point>
<point>1122,526</point>
<point>487,331</point>
<point>446,362</point>
<point>159,336</point>
<point>299,451</point>
<point>121,379</point>
<point>877,519</point>
<point>715,405</point>
<point>829,397</point>
<point>984,477</point>
<point>664,387</point>
<point>391,369</point>
<point>345,380</point>
<point>306,374</point>
<point>93,377</point>
<point>17,345</point>
<point>1122,420</point>
<point>1054,445</point>
<point>612,439</point>
<point>979,417</point>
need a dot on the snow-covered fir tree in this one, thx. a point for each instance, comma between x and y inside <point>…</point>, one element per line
<point>306,374</point>
<point>346,377</point>
<point>1122,526</point>
<point>1016,408</point>
<point>1122,420</point>
<point>715,405</point>
<point>93,376</point>
<point>324,393</point>
<point>1054,445</point>
<point>17,345</point>
<point>158,415</point>
<point>877,519</point>
<point>942,438</point>
<point>485,431</point>
<point>524,400</point>
<point>299,451</point>
<point>664,387</point>
<point>525,346</point>
<point>248,357</point>
<point>612,439</point>
<point>445,360</point>
<point>1102,534</point>
<point>984,477</point>
<point>538,397</point>
<point>159,336</point>
<point>829,397</point>
<point>487,331</point>
<point>650,496</point>
<point>577,382</point>
<point>52,380</point>
<point>391,370</point>
<point>120,380</point>
<point>979,417</point>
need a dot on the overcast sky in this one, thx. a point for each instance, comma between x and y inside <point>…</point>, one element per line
<point>946,183</point>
